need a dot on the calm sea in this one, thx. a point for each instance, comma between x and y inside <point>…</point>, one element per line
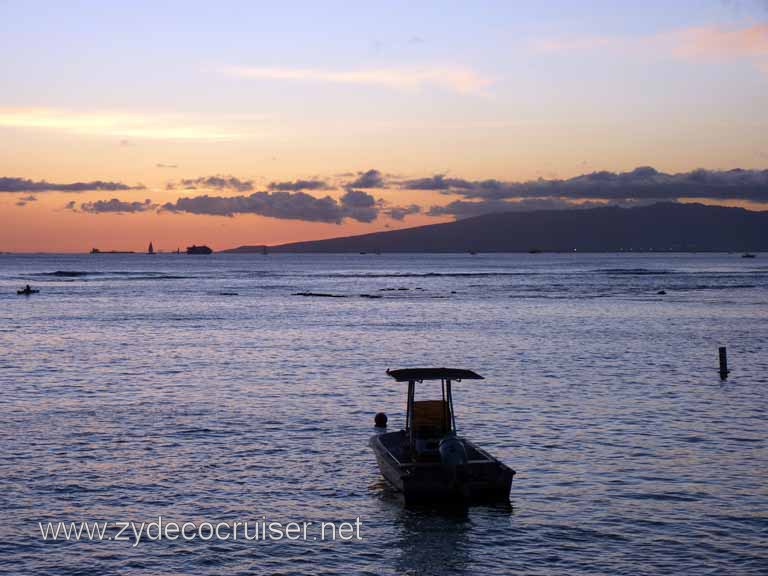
<point>132,387</point>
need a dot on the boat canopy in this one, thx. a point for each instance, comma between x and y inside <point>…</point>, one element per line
<point>421,374</point>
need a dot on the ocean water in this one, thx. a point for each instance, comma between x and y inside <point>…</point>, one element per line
<point>132,387</point>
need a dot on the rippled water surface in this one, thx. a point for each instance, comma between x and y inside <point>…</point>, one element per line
<point>203,389</point>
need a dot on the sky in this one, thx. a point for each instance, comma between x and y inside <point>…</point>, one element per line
<point>234,123</point>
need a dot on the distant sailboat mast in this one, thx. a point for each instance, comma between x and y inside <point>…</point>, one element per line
<point>151,249</point>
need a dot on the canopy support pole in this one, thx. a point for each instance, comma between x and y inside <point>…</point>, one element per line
<point>409,413</point>
<point>450,404</point>
<point>409,405</point>
<point>446,421</point>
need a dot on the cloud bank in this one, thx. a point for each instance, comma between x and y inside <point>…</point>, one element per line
<point>400,212</point>
<point>290,199</point>
<point>115,206</point>
<point>213,183</point>
<point>641,185</point>
<point>296,185</point>
<point>368,179</point>
<point>355,205</point>
<point>15,185</point>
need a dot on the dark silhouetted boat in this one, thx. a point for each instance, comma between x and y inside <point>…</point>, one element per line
<point>427,461</point>
<point>26,291</point>
<point>748,255</point>
<point>151,249</point>
<point>97,251</point>
<point>198,250</point>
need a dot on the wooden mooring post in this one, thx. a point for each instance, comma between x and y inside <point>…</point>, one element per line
<point>723,363</point>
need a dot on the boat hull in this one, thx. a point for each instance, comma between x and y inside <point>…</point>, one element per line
<point>480,481</point>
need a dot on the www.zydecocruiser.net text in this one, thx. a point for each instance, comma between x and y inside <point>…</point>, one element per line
<point>262,530</point>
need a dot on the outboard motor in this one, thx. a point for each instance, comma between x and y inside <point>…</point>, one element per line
<point>452,452</point>
<point>454,458</point>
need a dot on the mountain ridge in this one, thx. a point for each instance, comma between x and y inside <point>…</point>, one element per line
<point>665,226</point>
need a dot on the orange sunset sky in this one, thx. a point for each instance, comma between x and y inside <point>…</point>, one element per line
<point>249,123</point>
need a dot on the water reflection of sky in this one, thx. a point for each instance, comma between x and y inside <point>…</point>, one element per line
<point>128,397</point>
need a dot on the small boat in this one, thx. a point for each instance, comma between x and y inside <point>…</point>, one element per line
<point>151,249</point>
<point>748,255</point>
<point>428,462</point>
<point>26,291</point>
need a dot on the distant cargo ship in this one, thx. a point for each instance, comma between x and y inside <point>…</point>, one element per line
<point>198,250</point>
<point>97,251</point>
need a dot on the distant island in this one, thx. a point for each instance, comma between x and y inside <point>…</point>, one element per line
<point>661,227</point>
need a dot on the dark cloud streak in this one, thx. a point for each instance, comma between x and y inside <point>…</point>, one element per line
<point>115,206</point>
<point>297,185</point>
<point>213,183</point>
<point>400,212</point>
<point>368,179</point>
<point>360,205</point>
<point>355,205</point>
<point>644,183</point>
<point>466,209</point>
<point>15,185</point>
<point>23,201</point>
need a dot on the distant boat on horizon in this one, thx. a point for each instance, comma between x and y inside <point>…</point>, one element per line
<point>151,249</point>
<point>97,251</point>
<point>748,255</point>
<point>198,250</point>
